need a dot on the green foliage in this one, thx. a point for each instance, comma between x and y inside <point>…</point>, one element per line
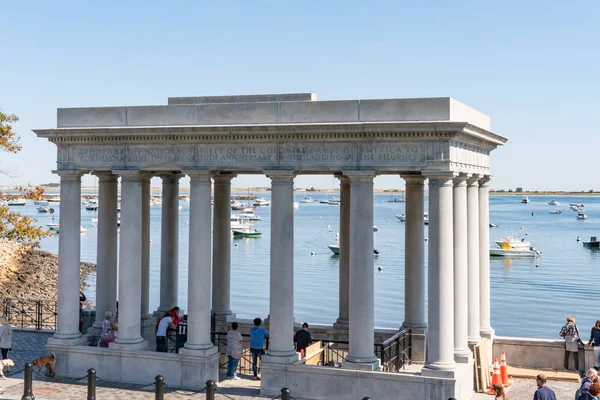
<point>14,226</point>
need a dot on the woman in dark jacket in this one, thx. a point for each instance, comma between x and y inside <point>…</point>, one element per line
<point>595,339</point>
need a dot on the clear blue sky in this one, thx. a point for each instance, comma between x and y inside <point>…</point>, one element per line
<point>531,65</point>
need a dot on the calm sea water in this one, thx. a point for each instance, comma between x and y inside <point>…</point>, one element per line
<point>527,300</point>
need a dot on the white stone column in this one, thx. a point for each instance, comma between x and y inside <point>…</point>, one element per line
<point>106,259</point>
<point>221,269</point>
<point>169,243</point>
<point>130,263</point>
<point>473,258</point>
<point>199,270</point>
<point>440,338</point>
<point>69,242</point>
<point>362,287</point>
<point>486,330</point>
<point>145,246</point>
<point>343,321</point>
<point>414,265</point>
<point>461,298</point>
<point>281,300</point>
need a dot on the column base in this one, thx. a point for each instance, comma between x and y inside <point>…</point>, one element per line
<point>68,341</point>
<point>361,364</point>
<point>148,330</point>
<point>341,325</point>
<point>448,372</point>
<point>129,346</point>
<point>463,356</point>
<point>487,333</point>
<point>199,352</point>
<point>473,341</point>
<point>95,330</point>
<point>276,357</point>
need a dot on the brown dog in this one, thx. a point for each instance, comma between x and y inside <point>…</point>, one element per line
<point>48,361</point>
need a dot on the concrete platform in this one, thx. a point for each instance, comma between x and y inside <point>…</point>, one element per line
<point>551,374</point>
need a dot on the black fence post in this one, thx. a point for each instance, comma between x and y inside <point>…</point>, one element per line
<point>91,384</point>
<point>366,398</point>
<point>159,387</point>
<point>211,389</point>
<point>28,386</point>
<point>285,394</point>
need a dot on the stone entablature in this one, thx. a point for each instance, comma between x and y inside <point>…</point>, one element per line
<point>250,134</point>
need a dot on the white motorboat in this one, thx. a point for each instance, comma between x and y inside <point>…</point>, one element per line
<point>525,200</point>
<point>16,202</point>
<point>295,205</point>
<point>554,203</point>
<point>54,200</point>
<point>92,207</point>
<point>248,213</point>
<point>56,228</point>
<point>180,207</point>
<point>555,211</point>
<point>499,252</point>
<point>246,233</point>
<point>239,223</point>
<point>334,202</point>
<point>45,209</point>
<point>513,242</point>
<point>335,249</point>
<point>260,202</point>
<point>576,205</point>
<point>493,225</point>
<point>94,220</point>
<point>574,208</point>
<point>402,218</point>
<point>40,202</point>
<point>581,214</point>
<point>236,205</point>
<point>307,200</point>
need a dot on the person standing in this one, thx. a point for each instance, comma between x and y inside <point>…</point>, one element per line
<point>164,324</point>
<point>108,330</point>
<point>592,393</point>
<point>595,339</point>
<point>303,339</point>
<point>82,298</point>
<point>543,392</point>
<point>570,332</point>
<point>181,333</point>
<point>257,344</point>
<point>5,337</point>
<point>235,349</point>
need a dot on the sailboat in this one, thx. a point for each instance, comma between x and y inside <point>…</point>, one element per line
<point>396,199</point>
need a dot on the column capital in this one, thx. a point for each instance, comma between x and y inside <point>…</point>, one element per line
<point>343,178</point>
<point>105,176</point>
<point>280,175</point>
<point>170,177</point>
<point>363,177</point>
<point>473,180</point>
<point>461,179</point>
<point>69,174</point>
<point>220,177</point>
<point>484,181</point>
<point>413,179</point>
<point>199,174</point>
<point>130,175</point>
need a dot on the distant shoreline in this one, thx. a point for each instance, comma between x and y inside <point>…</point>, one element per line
<point>87,189</point>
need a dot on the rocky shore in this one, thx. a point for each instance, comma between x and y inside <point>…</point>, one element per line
<point>27,273</point>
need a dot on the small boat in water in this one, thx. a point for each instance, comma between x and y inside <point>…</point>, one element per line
<point>236,205</point>
<point>513,242</point>
<point>592,243</point>
<point>402,218</point>
<point>45,209</point>
<point>574,208</point>
<point>576,205</point>
<point>506,250</point>
<point>525,200</point>
<point>54,200</point>
<point>554,203</point>
<point>555,211</point>
<point>307,200</point>
<point>335,249</point>
<point>247,232</point>
<point>40,202</point>
<point>16,202</point>
<point>295,205</point>
<point>247,213</point>
<point>92,207</point>
<point>581,215</point>
<point>493,225</point>
<point>56,228</point>
<point>260,202</point>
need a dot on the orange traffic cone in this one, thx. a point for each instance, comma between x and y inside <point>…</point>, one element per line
<point>496,379</point>
<point>504,369</point>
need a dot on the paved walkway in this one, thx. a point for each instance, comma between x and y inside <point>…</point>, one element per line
<point>29,345</point>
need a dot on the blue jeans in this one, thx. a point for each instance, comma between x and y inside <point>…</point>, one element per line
<point>256,353</point>
<point>232,367</point>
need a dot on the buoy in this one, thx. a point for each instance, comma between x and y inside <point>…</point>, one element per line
<point>312,253</point>
<point>426,239</point>
<point>150,240</point>
<point>388,220</point>
<point>236,245</point>
<point>380,268</point>
<point>186,222</point>
<point>537,265</point>
<point>375,228</point>
<point>329,227</point>
<point>578,239</point>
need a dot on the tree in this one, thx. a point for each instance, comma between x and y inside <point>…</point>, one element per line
<point>13,225</point>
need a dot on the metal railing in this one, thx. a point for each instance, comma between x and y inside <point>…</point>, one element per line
<point>219,339</point>
<point>29,313</point>
<point>395,352</point>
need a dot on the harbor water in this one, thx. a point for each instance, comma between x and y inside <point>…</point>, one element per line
<point>529,297</point>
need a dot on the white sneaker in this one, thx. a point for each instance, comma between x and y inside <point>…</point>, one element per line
<point>236,378</point>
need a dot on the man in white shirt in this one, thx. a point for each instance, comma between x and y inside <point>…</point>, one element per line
<point>161,333</point>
